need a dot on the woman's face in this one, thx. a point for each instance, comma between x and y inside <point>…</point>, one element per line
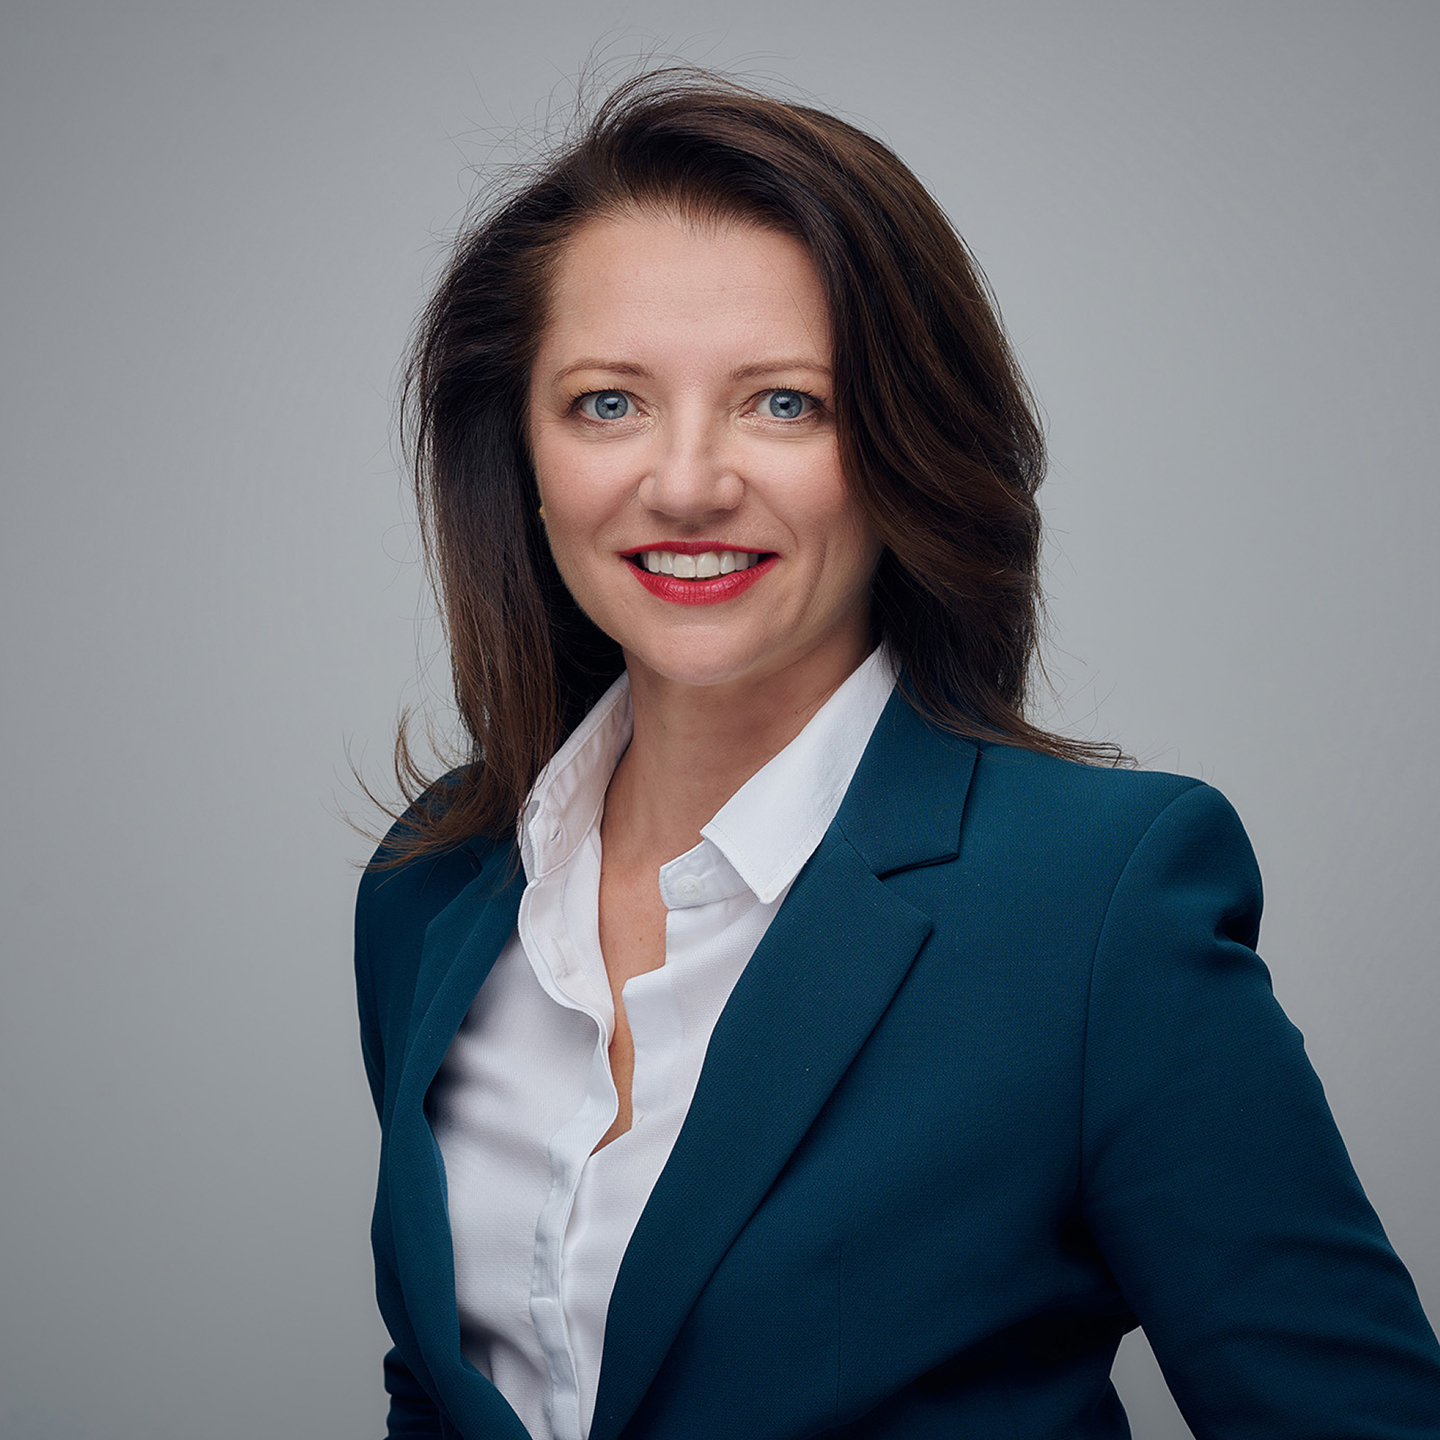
<point>686,453</point>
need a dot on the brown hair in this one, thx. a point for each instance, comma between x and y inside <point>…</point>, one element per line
<point>936,428</point>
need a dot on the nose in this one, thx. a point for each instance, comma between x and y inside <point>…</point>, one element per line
<point>693,471</point>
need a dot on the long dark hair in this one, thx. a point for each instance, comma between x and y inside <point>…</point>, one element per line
<point>937,430</point>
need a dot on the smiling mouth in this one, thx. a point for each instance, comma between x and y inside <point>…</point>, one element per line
<point>707,565</point>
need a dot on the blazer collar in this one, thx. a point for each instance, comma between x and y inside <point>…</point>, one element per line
<point>904,805</point>
<point>835,954</point>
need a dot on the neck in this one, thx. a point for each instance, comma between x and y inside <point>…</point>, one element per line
<point>694,746</point>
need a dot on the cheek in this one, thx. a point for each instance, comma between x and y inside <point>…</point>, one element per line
<point>579,491</point>
<point>853,549</point>
<point>547,455</point>
<point>837,522</point>
<point>576,482</point>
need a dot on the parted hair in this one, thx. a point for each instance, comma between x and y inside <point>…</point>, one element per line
<point>937,430</point>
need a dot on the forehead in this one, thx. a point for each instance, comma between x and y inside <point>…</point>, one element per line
<point>654,280</point>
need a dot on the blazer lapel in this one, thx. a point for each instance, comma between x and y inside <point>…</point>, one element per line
<point>816,986</point>
<point>461,945</point>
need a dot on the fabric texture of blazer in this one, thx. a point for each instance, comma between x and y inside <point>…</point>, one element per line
<point>1003,1079</point>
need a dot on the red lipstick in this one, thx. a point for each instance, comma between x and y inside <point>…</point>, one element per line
<point>698,592</point>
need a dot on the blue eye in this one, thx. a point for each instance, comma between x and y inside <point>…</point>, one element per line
<point>606,405</point>
<point>786,404</point>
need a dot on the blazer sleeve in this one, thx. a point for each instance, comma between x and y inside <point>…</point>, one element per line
<point>1214,1179</point>
<point>371,1048</point>
<point>413,1415</point>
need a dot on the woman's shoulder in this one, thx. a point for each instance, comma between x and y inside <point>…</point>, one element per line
<point>1044,780</point>
<point>1062,847</point>
<point>1042,802</point>
<point>408,884</point>
<point>402,891</point>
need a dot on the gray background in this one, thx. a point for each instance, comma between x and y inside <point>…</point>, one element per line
<point>1212,231</point>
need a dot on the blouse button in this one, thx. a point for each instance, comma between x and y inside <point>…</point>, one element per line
<point>688,888</point>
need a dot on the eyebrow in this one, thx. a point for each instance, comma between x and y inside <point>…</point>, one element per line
<point>772,367</point>
<point>745,372</point>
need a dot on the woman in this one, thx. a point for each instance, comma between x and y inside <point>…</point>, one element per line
<point>773,1033</point>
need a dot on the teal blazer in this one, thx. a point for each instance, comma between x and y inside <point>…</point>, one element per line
<point>1004,1078</point>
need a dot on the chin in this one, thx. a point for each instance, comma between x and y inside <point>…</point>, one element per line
<point>696,664</point>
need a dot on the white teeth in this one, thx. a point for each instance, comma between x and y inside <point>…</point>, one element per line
<point>697,567</point>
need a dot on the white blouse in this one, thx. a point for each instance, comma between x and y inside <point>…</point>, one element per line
<point>539,1222</point>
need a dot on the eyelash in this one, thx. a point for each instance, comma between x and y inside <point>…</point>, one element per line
<point>816,403</point>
